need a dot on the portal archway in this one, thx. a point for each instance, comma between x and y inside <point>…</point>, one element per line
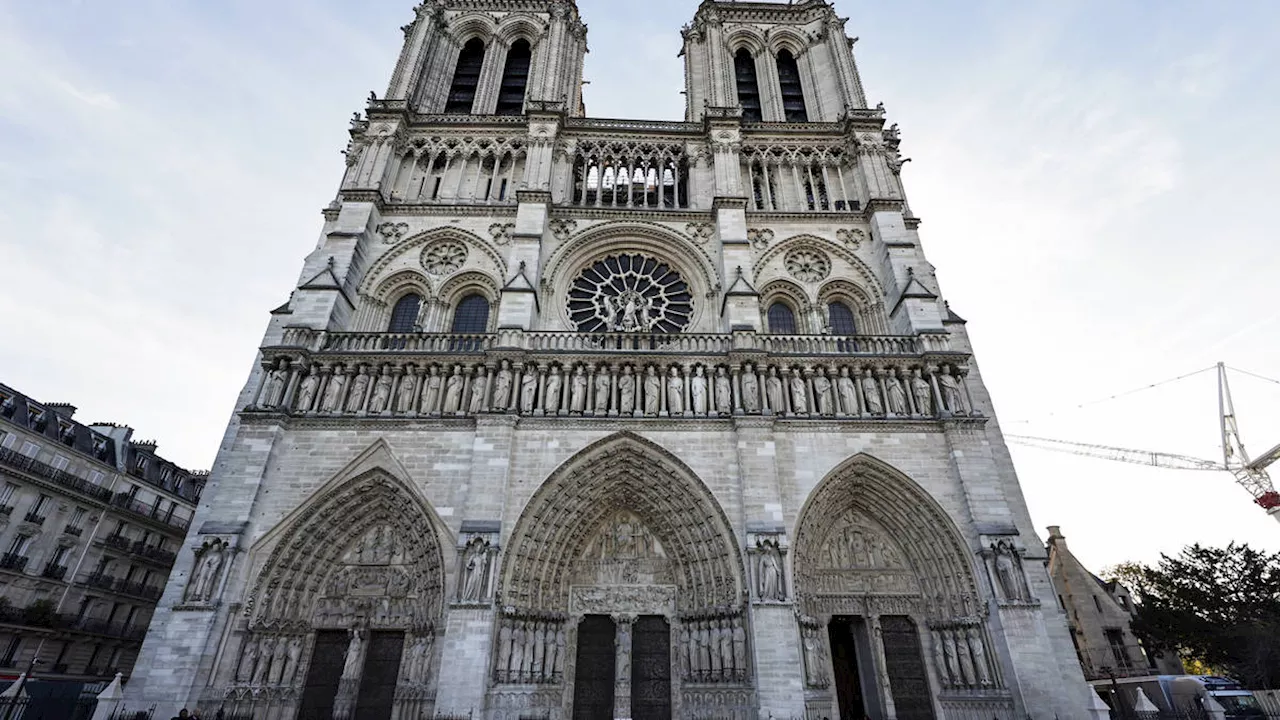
<point>623,532</point>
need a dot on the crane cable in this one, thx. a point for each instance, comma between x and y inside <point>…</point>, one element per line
<point>1254,375</point>
<point>1137,390</point>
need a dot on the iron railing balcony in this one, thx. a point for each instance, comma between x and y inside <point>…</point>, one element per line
<point>149,552</point>
<point>33,518</point>
<point>1119,661</point>
<point>62,478</point>
<point>99,580</point>
<point>13,561</point>
<point>73,530</point>
<point>54,571</point>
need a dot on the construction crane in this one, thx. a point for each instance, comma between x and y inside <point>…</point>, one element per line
<point>1249,474</point>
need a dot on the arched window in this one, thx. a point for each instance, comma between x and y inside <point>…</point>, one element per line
<point>842,322</point>
<point>789,83</point>
<point>515,76</point>
<point>744,68</point>
<point>781,320</point>
<point>472,315</point>
<point>462,93</point>
<point>405,314</point>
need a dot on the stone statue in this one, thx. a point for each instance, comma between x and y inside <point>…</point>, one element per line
<point>750,390</point>
<point>652,390</point>
<point>847,392</point>
<point>979,656</point>
<point>359,386</point>
<point>560,645</point>
<point>517,652</point>
<point>476,566</point>
<point>952,396</point>
<point>799,401</point>
<point>814,665</point>
<point>624,648</point>
<point>537,667</point>
<point>770,573</point>
<point>871,393</point>
<point>726,649</point>
<point>773,389</point>
<point>479,388</point>
<point>923,394</point>
<point>698,391</point>
<point>295,656</point>
<point>307,391</point>
<point>502,386</point>
<point>822,392</point>
<point>739,650</point>
<point>355,655</point>
<point>404,395</point>
<point>1009,572</point>
<point>551,403</point>
<point>724,393</point>
<point>949,652</point>
<point>279,661</point>
<point>528,389</point>
<point>966,661</point>
<point>675,391</point>
<point>578,390</point>
<point>602,390</point>
<point>453,391</point>
<point>940,659</point>
<point>248,659</point>
<point>381,392</point>
<point>205,577</point>
<point>626,391</point>
<point>274,393</point>
<point>261,672</point>
<point>431,393</point>
<point>332,400</point>
<point>894,393</point>
<point>504,651</point>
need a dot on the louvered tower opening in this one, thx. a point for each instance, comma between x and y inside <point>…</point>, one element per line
<point>789,82</point>
<point>744,67</point>
<point>515,77</point>
<point>462,93</point>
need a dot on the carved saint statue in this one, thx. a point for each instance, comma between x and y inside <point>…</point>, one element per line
<point>295,655</point>
<point>355,654</point>
<point>675,391</point>
<point>922,393</point>
<point>381,393</point>
<point>894,393</point>
<point>359,387</point>
<point>475,568</point>
<point>652,390</point>
<point>279,661</point>
<point>274,393</point>
<point>578,390</point>
<point>952,396</point>
<point>847,392</point>
<point>979,656</point>
<point>1009,572</point>
<point>479,386</point>
<point>626,391</point>
<point>814,660</point>
<point>260,673</point>
<point>750,390</point>
<point>307,391</point>
<point>602,390</point>
<point>770,572</point>
<point>799,401</point>
<point>431,393</point>
<point>204,579</point>
<point>551,403</point>
<point>940,659</point>
<point>248,659</point>
<point>502,386</point>
<point>724,393</point>
<point>698,391</point>
<point>332,400</point>
<point>528,389</point>
<point>773,389</point>
<point>453,391</point>
<point>871,393</point>
<point>822,392</point>
<point>404,396</point>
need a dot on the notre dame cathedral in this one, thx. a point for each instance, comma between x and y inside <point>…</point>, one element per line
<point>582,418</point>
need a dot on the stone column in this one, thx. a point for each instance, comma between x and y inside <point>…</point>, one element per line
<point>625,626</point>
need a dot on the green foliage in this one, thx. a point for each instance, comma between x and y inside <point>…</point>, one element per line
<point>1218,606</point>
<point>40,613</point>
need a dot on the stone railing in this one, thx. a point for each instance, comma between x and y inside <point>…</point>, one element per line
<point>564,374</point>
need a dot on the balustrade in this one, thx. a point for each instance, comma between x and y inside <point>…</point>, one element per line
<point>799,179</point>
<point>628,174</point>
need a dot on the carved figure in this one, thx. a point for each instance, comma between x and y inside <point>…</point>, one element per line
<point>848,394</point>
<point>518,666</point>
<point>624,648</point>
<point>952,396</point>
<point>381,393</point>
<point>652,390</point>
<point>814,662</point>
<point>248,660</point>
<point>431,393</point>
<point>750,390</point>
<point>822,392</point>
<point>578,390</point>
<point>479,386</point>
<point>940,659</point>
<point>675,391</point>
<point>724,393</point>
<point>739,650</point>
<point>476,567</point>
<point>307,391</point>
<point>404,396</point>
<point>773,389</point>
<point>528,390</point>
<point>279,661</point>
<point>295,655</point>
<point>871,393</point>
<point>602,390</point>
<point>770,572</point>
<point>626,391</point>
<point>698,391</point>
<point>261,671</point>
<point>922,392</point>
<point>453,391</point>
<point>274,393</point>
<point>894,393</point>
<point>979,656</point>
<point>332,399</point>
<point>502,386</point>
<point>551,403</point>
<point>1009,572</point>
<point>949,651</point>
<point>966,661</point>
<point>205,577</point>
<point>799,402</point>
<point>504,652</point>
<point>359,386</point>
<point>355,655</point>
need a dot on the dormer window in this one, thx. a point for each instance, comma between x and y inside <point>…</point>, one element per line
<point>99,447</point>
<point>66,432</point>
<point>140,463</point>
<point>7,405</point>
<point>37,418</point>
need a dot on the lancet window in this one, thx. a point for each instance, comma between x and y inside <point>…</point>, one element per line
<point>782,319</point>
<point>471,315</point>
<point>515,76</point>
<point>841,319</point>
<point>630,175</point>
<point>744,66</point>
<point>793,106</point>
<point>466,77</point>
<point>789,179</point>
<point>405,314</point>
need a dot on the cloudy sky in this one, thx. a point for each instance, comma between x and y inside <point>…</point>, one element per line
<point>1094,179</point>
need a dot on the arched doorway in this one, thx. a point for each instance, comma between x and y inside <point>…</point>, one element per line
<point>343,614</point>
<point>891,614</point>
<point>622,553</point>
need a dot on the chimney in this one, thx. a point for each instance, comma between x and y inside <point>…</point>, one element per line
<point>63,410</point>
<point>1055,533</point>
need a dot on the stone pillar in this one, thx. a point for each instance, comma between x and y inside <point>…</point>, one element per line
<point>625,626</point>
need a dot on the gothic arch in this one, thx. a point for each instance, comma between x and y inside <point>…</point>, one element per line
<point>941,583</point>
<point>520,26</point>
<point>622,472</point>
<point>380,271</point>
<point>781,37</point>
<point>863,275</point>
<point>473,25</point>
<point>791,295</point>
<point>868,311</point>
<point>749,37</point>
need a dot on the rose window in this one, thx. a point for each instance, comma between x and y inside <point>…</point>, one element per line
<point>630,293</point>
<point>808,265</point>
<point>444,257</point>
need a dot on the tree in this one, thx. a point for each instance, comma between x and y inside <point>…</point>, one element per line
<point>1219,606</point>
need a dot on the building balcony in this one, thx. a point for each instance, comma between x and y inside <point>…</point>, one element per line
<point>62,478</point>
<point>73,530</point>
<point>99,580</point>
<point>137,589</point>
<point>14,561</point>
<point>6,510</point>
<point>54,571</point>
<point>125,502</point>
<point>33,518</point>
<point>1116,661</point>
<point>155,554</point>
<point>99,627</point>
<point>119,542</point>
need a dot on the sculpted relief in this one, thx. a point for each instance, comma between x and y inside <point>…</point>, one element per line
<point>858,557</point>
<point>623,552</point>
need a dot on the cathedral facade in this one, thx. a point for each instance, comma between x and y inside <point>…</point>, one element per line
<point>582,418</point>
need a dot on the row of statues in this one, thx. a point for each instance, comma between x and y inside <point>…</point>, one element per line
<point>605,389</point>
<point>270,660</point>
<point>961,657</point>
<point>713,649</point>
<point>531,649</point>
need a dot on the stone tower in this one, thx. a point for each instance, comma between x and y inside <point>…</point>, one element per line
<point>577,418</point>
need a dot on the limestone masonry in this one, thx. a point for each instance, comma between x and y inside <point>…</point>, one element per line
<point>582,418</point>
